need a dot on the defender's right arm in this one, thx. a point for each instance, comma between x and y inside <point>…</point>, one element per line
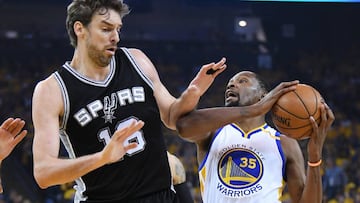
<point>50,170</point>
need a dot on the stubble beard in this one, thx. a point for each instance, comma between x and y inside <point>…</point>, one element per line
<point>232,103</point>
<point>238,103</point>
<point>98,56</point>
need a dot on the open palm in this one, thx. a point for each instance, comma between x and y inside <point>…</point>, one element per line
<point>11,134</point>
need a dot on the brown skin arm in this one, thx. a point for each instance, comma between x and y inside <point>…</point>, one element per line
<point>307,189</point>
<point>197,125</point>
<point>294,169</point>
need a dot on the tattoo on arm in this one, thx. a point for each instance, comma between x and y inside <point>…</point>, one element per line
<point>180,172</point>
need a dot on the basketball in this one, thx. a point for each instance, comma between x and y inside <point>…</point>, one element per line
<point>291,113</point>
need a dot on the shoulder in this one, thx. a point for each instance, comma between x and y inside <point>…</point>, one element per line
<point>291,148</point>
<point>136,52</point>
<point>47,85</point>
<point>138,55</point>
<point>287,141</point>
<point>145,64</point>
<point>288,144</point>
<point>47,91</point>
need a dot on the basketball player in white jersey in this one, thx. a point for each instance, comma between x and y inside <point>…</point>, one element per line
<point>242,159</point>
<point>11,133</point>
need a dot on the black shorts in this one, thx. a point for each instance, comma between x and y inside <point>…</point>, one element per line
<point>183,194</point>
<point>164,196</point>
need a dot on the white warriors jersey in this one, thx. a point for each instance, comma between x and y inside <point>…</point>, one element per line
<point>243,167</point>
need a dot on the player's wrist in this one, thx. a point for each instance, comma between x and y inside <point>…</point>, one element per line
<point>314,163</point>
<point>192,91</point>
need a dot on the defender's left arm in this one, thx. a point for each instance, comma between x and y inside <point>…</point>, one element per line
<point>172,108</point>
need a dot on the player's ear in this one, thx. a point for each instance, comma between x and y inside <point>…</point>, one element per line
<point>263,94</point>
<point>78,28</point>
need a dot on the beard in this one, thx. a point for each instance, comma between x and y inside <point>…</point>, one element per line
<point>98,56</point>
<point>239,103</point>
<point>231,104</point>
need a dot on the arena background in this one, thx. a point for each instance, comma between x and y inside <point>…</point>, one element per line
<point>317,43</point>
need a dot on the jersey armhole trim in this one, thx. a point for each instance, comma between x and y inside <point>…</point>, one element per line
<point>207,154</point>
<point>66,100</point>
<point>137,67</point>
<point>281,152</point>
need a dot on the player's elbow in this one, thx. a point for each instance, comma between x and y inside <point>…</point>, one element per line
<point>182,127</point>
<point>40,178</point>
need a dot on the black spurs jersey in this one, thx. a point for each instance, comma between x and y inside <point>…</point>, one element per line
<point>94,110</point>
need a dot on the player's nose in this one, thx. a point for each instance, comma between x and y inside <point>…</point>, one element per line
<point>115,37</point>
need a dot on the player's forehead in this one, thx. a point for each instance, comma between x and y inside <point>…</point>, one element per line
<point>243,75</point>
<point>107,16</point>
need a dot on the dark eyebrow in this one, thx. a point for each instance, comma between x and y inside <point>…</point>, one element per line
<point>106,22</point>
<point>109,24</point>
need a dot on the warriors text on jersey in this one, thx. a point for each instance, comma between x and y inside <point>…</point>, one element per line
<point>94,110</point>
<point>243,167</point>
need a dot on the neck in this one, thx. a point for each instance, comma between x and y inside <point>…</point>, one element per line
<point>251,123</point>
<point>88,68</point>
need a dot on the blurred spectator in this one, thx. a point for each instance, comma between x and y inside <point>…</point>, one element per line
<point>334,179</point>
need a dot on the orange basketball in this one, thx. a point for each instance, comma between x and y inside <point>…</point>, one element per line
<point>292,111</point>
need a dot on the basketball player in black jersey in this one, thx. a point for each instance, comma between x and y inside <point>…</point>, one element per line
<point>106,105</point>
<point>11,133</point>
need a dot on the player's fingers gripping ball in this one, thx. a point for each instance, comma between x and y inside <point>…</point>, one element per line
<point>292,111</point>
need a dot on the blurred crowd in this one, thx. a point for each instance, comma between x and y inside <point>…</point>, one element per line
<point>24,62</point>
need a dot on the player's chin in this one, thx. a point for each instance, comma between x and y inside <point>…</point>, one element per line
<point>110,52</point>
<point>105,60</point>
<point>231,103</point>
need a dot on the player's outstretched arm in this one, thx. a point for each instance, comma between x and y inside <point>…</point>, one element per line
<point>49,169</point>
<point>309,188</point>
<point>11,133</point>
<point>170,107</point>
<point>198,125</point>
<point>197,87</point>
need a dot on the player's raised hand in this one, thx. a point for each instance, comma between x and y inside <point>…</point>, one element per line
<point>205,77</point>
<point>270,98</point>
<point>11,133</point>
<point>318,136</point>
<point>117,147</point>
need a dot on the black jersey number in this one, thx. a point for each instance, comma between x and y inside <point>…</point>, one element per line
<point>137,137</point>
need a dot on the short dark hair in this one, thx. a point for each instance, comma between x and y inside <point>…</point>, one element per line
<point>83,11</point>
<point>263,84</point>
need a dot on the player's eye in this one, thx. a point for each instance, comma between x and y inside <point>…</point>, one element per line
<point>105,29</point>
<point>242,80</point>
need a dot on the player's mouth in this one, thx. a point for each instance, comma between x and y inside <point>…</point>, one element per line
<point>111,50</point>
<point>229,95</point>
